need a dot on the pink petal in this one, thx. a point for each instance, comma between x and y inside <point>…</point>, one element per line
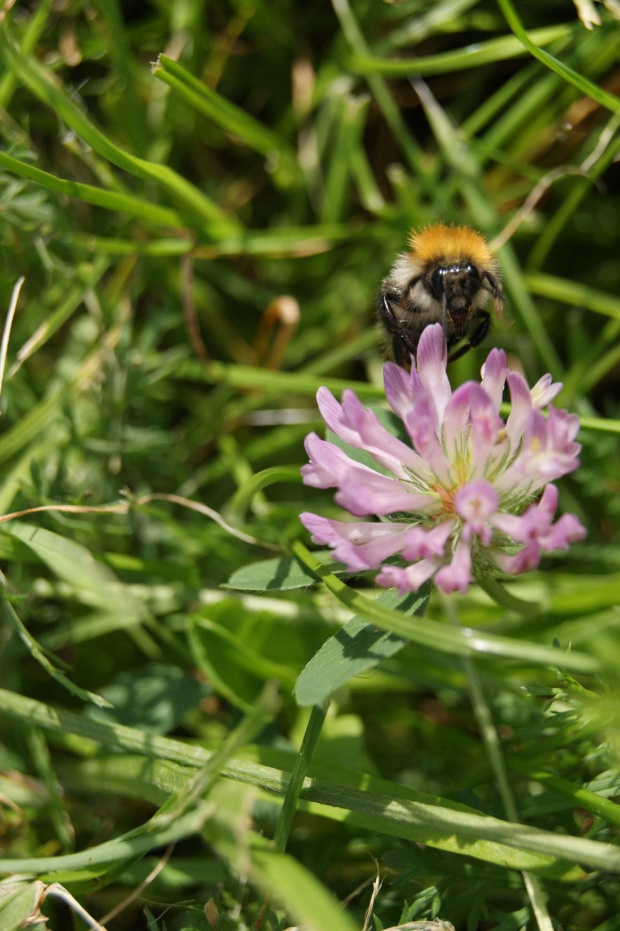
<point>330,532</point>
<point>568,529</point>
<point>469,403</point>
<point>359,427</point>
<point>525,560</point>
<point>493,374</point>
<point>463,465</point>
<point>544,391</point>
<point>534,521</point>
<point>358,545</point>
<point>509,524</point>
<point>476,503</point>
<point>563,428</point>
<point>485,428</point>
<point>373,493</point>
<point>361,490</point>
<point>538,534</point>
<point>521,406</point>
<point>403,389</point>
<point>327,463</point>
<point>535,528</point>
<point>536,432</point>
<point>379,442</point>
<point>549,448</point>
<point>421,544</point>
<point>456,577</point>
<point>528,472</point>
<point>432,361</point>
<point>421,425</point>
<point>548,504</point>
<point>409,579</point>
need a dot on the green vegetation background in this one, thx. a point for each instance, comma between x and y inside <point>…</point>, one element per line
<point>202,242</point>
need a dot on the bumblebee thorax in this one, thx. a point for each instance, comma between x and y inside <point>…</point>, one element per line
<point>449,246</point>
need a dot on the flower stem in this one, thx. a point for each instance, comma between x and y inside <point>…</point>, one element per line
<point>300,768</point>
<point>491,741</point>
<point>498,593</point>
<point>490,738</point>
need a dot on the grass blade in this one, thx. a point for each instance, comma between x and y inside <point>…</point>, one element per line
<point>41,83</point>
<point>610,101</point>
<point>472,56</point>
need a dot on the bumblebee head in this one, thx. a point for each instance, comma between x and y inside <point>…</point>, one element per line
<point>455,287</point>
<point>454,260</point>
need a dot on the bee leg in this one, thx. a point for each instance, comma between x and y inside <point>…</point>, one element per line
<point>476,338</point>
<point>491,284</point>
<point>403,345</point>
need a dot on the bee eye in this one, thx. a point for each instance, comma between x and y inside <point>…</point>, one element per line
<point>437,282</point>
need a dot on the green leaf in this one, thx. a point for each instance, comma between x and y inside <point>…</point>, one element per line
<point>110,200</point>
<point>89,277</point>
<point>291,884</point>
<point>9,615</point>
<point>279,574</point>
<point>18,904</point>
<point>451,640</point>
<point>574,293</point>
<point>472,56</point>
<point>242,498</point>
<point>154,780</point>
<point>75,565</point>
<point>255,378</point>
<point>131,844</point>
<point>412,150</point>
<point>154,698</point>
<point>39,417</point>
<point>227,115</point>
<point>46,87</point>
<point>33,32</point>
<point>355,649</point>
<point>376,804</point>
<point>182,814</point>
<point>610,101</point>
<point>218,659</point>
<point>235,650</point>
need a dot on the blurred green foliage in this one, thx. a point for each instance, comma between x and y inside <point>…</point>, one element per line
<point>202,236</point>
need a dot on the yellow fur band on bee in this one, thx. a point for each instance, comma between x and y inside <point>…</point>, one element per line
<point>451,244</point>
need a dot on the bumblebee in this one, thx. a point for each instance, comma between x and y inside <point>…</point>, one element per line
<point>448,277</point>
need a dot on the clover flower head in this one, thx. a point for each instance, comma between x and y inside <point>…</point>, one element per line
<point>464,494</point>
